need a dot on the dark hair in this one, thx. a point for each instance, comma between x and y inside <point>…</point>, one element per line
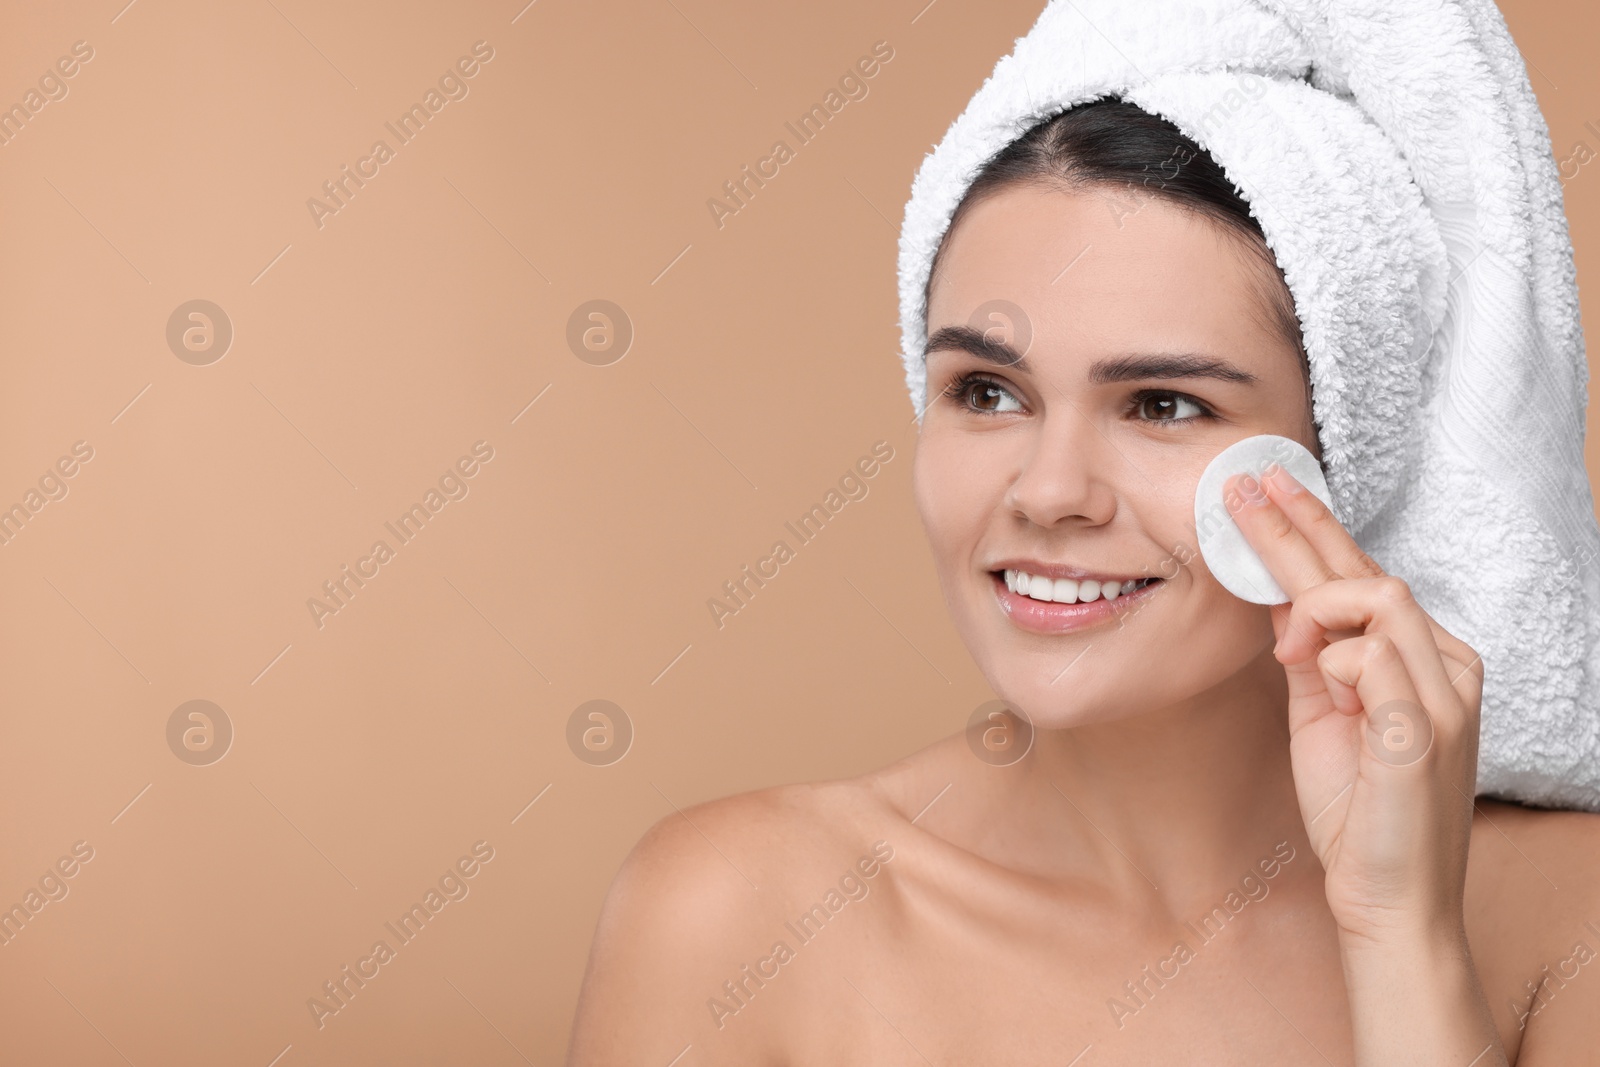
<point>1111,142</point>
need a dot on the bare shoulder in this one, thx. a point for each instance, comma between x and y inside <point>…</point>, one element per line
<point>696,900</point>
<point>1533,917</point>
<point>1516,850</point>
<point>758,840</point>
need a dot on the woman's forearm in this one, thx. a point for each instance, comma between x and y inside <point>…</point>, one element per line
<point>1417,1001</point>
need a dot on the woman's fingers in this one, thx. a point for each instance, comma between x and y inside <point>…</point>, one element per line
<point>1342,599</point>
<point>1369,674</point>
<point>1296,536</point>
<point>1274,532</point>
<point>1321,548</point>
<point>1319,526</point>
<point>1304,546</point>
<point>1375,605</point>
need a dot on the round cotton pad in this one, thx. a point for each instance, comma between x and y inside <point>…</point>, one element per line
<point>1227,554</point>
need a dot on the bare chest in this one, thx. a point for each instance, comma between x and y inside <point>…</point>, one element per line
<point>1263,987</point>
<point>947,967</point>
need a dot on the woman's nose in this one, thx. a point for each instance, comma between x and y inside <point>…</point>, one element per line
<point>1068,471</point>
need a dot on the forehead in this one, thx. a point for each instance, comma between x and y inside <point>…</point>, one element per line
<point>1103,267</point>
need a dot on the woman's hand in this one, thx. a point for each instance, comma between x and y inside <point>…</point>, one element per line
<point>1383,744</point>
<point>1383,719</point>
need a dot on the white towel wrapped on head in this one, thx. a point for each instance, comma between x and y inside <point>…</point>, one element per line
<point>1395,157</point>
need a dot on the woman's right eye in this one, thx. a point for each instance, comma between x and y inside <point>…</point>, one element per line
<point>977,392</point>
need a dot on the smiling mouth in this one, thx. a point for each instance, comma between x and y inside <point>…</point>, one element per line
<point>1054,617</point>
<point>1068,590</point>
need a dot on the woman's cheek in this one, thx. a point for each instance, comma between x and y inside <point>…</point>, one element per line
<point>950,488</point>
<point>925,492</point>
<point>1233,631</point>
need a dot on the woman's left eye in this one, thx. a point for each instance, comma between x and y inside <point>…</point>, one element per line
<point>1154,405</point>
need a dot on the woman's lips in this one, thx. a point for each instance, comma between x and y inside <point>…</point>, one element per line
<point>1047,617</point>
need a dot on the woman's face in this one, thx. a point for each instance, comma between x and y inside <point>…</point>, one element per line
<point>1085,454</point>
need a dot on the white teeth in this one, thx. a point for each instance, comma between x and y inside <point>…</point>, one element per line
<point>1067,590</point>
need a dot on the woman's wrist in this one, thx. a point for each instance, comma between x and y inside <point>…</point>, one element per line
<point>1415,997</point>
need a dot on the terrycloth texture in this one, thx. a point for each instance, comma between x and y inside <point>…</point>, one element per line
<point>1396,159</point>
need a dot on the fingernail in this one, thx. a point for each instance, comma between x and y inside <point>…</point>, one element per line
<point>1283,479</point>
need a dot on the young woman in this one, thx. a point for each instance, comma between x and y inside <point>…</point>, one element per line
<point>1184,842</point>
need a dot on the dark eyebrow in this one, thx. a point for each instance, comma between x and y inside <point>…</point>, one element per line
<point>976,342</point>
<point>1167,365</point>
<point>1123,368</point>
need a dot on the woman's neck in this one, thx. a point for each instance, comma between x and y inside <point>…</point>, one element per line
<point>1164,806</point>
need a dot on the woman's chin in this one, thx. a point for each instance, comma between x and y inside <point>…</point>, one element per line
<point>1063,706</point>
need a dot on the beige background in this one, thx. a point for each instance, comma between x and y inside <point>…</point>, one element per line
<point>367,356</point>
